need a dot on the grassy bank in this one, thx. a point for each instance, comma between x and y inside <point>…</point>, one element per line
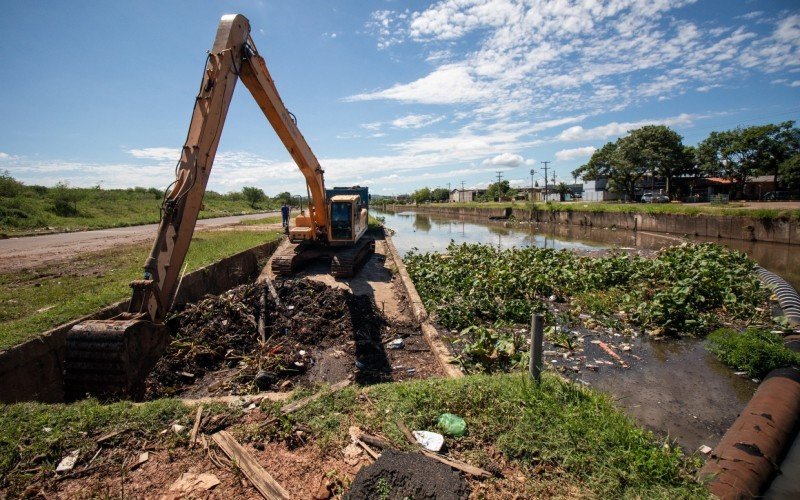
<point>35,300</point>
<point>35,208</point>
<point>559,438</point>
<point>754,351</point>
<point>733,209</point>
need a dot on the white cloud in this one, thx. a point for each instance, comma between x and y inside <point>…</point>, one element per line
<point>571,154</point>
<point>505,160</point>
<point>4,156</point>
<point>416,121</point>
<point>173,154</point>
<point>578,133</point>
<point>448,84</point>
<point>795,83</point>
<point>564,57</point>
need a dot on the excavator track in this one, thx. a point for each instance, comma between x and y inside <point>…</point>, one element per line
<point>111,358</point>
<point>346,261</point>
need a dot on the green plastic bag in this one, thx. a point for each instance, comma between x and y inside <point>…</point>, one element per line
<point>452,424</point>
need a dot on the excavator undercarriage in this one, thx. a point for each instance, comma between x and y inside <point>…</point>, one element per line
<point>106,358</point>
<point>345,261</point>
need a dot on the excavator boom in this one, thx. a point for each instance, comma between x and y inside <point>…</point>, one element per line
<point>113,357</point>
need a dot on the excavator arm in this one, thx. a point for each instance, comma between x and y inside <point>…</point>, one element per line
<point>112,357</point>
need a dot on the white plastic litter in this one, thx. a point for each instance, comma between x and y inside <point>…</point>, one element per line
<point>68,462</point>
<point>396,344</point>
<point>432,441</point>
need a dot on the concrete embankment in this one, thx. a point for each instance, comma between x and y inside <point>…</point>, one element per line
<point>776,230</point>
<point>33,371</point>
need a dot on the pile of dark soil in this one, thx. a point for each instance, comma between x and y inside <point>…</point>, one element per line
<point>408,475</point>
<point>221,332</point>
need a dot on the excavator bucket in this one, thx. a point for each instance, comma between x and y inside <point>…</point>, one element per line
<point>111,358</point>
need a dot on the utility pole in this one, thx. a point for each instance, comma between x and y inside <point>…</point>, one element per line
<point>499,176</point>
<point>461,195</point>
<point>533,172</point>
<point>546,163</point>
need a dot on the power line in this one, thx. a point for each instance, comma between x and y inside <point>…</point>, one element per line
<point>499,176</point>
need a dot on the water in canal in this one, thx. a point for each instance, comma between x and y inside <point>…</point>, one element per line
<point>429,232</point>
<point>679,389</point>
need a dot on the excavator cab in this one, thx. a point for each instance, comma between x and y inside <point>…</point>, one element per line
<point>342,218</point>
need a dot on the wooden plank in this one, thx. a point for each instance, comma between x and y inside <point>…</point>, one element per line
<point>261,479</point>
<point>457,464</point>
<point>196,427</point>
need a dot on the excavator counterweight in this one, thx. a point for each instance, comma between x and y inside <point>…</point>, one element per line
<point>112,358</point>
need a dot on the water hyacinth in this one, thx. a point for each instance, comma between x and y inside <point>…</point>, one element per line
<point>685,289</point>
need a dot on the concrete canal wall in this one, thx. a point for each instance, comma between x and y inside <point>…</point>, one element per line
<point>33,371</point>
<point>780,230</point>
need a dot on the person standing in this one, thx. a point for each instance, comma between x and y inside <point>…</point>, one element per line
<point>285,215</point>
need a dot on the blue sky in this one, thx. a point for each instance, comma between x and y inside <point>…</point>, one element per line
<point>390,94</point>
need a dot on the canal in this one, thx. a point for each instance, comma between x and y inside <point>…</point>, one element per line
<point>678,389</point>
<point>428,232</point>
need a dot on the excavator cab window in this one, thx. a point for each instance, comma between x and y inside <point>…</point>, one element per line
<point>341,221</point>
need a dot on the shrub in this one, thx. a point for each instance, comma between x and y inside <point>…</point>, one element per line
<point>65,200</point>
<point>9,186</point>
<point>755,351</point>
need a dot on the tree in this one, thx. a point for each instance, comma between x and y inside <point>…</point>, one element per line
<point>790,172</point>
<point>619,162</point>
<point>744,152</point>
<point>440,194</point>
<point>284,197</point>
<point>421,195</point>
<point>498,191</point>
<point>659,150</point>
<point>562,191</point>
<point>253,195</point>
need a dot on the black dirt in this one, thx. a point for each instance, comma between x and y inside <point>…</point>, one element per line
<point>408,475</point>
<point>221,333</point>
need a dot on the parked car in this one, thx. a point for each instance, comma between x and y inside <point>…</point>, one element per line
<point>654,198</point>
<point>777,196</point>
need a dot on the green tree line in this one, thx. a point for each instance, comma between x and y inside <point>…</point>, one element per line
<point>736,154</point>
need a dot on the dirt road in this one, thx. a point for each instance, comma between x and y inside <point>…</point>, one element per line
<point>20,253</point>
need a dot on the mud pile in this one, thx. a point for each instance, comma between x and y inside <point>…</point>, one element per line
<point>216,341</point>
<point>408,475</point>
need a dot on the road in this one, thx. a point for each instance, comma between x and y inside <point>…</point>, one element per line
<point>29,251</point>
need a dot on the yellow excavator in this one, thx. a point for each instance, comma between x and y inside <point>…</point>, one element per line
<point>112,358</point>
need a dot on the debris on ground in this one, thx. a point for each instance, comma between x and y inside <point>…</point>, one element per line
<point>408,475</point>
<point>432,441</point>
<point>218,336</point>
<point>396,344</point>
<point>452,424</point>
<point>68,463</point>
<point>190,484</point>
<point>261,479</point>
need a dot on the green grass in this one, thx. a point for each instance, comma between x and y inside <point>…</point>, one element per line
<point>35,300</point>
<point>34,437</point>
<point>274,219</point>
<point>755,351</point>
<point>558,434</point>
<point>31,209</point>
<point>734,209</point>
